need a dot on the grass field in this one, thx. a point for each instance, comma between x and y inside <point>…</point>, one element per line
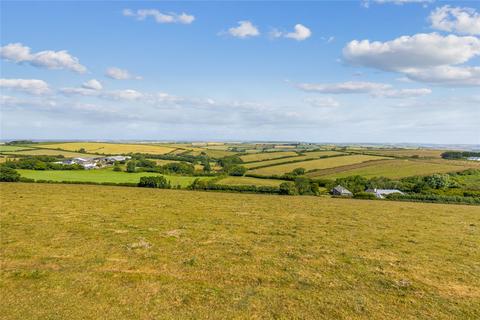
<point>4,148</point>
<point>315,164</point>
<point>109,148</point>
<point>49,152</point>
<point>308,156</point>
<point>267,156</point>
<point>101,175</point>
<point>421,153</point>
<point>395,169</point>
<point>250,181</point>
<point>96,252</point>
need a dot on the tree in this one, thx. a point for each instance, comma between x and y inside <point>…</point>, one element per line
<point>82,150</point>
<point>229,161</point>
<point>154,182</point>
<point>287,188</point>
<point>8,174</point>
<point>303,185</point>
<point>117,167</point>
<point>298,171</point>
<point>237,170</point>
<point>131,165</point>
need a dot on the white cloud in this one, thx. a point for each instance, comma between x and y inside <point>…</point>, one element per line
<point>421,57</point>
<point>375,89</point>
<point>32,86</point>
<point>120,74</point>
<point>244,30</point>
<point>323,102</point>
<point>344,87</point>
<point>455,19</point>
<point>402,93</point>
<point>127,94</point>
<point>159,17</point>
<point>448,75</point>
<point>300,33</point>
<point>366,3</point>
<point>92,84</point>
<point>18,53</point>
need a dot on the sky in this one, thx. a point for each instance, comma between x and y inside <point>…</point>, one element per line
<point>318,71</point>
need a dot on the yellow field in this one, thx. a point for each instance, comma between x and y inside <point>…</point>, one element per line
<point>250,181</point>
<point>267,156</point>
<point>315,164</point>
<point>48,152</point>
<point>393,169</point>
<point>95,252</point>
<point>110,148</point>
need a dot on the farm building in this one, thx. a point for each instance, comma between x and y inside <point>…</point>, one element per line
<point>473,158</point>
<point>341,191</point>
<point>382,193</point>
<point>113,159</point>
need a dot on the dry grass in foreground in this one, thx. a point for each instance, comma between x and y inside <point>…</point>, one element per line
<point>94,252</point>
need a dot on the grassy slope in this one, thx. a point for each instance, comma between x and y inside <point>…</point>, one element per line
<point>314,164</point>
<point>90,252</point>
<point>101,175</point>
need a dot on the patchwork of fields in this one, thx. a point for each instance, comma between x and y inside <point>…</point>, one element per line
<point>298,158</point>
<point>393,169</point>
<point>314,164</point>
<point>267,156</point>
<point>98,252</point>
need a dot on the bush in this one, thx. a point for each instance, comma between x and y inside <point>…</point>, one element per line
<point>365,195</point>
<point>117,168</point>
<point>154,182</point>
<point>287,188</point>
<point>298,171</point>
<point>131,165</point>
<point>8,174</point>
<point>237,170</point>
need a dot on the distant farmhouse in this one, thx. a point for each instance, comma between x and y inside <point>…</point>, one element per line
<point>473,158</point>
<point>341,191</point>
<point>382,193</point>
<point>94,163</point>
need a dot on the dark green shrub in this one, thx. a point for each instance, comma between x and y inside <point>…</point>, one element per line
<point>154,182</point>
<point>287,188</point>
<point>8,174</point>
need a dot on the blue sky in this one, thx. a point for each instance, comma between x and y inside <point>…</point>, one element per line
<point>350,71</point>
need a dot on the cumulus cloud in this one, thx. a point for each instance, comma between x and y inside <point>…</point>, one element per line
<point>92,84</point>
<point>244,30</point>
<point>31,86</point>
<point>159,17</point>
<point>421,57</point>
<point>120,74</point>
<point>18,53</point>
<point>300,33</point>
<point>375,89</point>
<point>455,19</point>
